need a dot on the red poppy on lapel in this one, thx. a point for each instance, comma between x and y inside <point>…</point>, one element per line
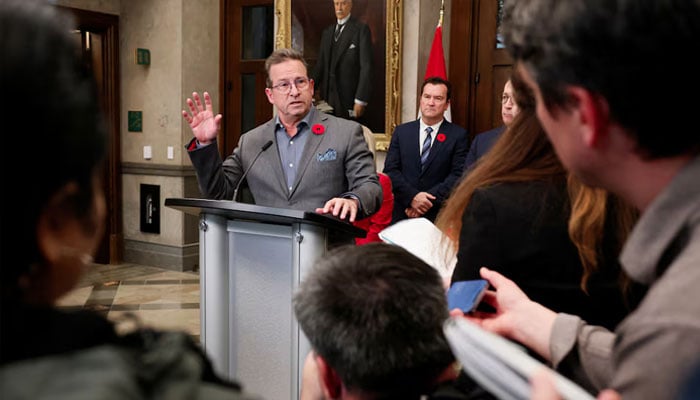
<point>318,129</point>
<point>441,137</point>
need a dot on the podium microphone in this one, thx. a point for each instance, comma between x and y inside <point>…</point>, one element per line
<point>238,186</point>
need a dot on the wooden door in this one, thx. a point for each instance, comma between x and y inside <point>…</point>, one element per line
<point>247,39</point>
<point>479,67</point>
<point>98,34</point>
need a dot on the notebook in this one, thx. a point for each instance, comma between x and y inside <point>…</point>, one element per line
<point>499,365</point>
<point>424,240</point>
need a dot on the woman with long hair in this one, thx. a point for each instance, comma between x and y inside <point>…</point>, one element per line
<point>519,212</point>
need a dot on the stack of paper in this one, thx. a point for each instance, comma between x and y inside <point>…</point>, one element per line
<point>424,240</point>
<point>499,365</point>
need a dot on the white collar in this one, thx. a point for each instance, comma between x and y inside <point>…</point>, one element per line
<point>435,126</point>
<point>344,20</point>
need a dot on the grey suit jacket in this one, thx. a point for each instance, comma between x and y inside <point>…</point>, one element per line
<point>337,163</point>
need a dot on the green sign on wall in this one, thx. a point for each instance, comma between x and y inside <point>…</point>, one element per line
<point>135,121</point>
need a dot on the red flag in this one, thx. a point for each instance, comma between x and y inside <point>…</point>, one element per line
<point>436,64</point>
<point>436,60</point>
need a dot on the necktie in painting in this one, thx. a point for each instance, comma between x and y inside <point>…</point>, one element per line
<point>338,29</point>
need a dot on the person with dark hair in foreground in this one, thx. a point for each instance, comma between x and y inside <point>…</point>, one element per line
<point>519,212</point>
<point>373,315</point>
<point>587,62</point>
<point>51,226</point>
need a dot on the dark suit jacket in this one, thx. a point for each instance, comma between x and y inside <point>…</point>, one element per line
<point>344,74</point>
<point>333,163</point>
<point>520,230</point>
<point>481,144</point>
<point>443,168</point>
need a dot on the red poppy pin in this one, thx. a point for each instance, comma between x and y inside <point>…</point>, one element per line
<point>318,129</point>
<point>441,137</point>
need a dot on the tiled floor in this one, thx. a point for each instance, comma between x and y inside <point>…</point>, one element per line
<point>158,298</point>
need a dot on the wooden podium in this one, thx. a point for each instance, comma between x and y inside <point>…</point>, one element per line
<point>252,259</point>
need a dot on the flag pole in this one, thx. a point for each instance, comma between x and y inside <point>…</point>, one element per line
<point>442,12</point>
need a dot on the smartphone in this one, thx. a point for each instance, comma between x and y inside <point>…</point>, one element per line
<point>466,295</point>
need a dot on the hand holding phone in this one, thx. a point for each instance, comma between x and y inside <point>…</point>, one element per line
<point>466,295</point>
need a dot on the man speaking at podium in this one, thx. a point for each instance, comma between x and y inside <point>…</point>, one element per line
<point>302,159</point>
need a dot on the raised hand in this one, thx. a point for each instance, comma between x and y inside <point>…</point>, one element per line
<point>204,124</point>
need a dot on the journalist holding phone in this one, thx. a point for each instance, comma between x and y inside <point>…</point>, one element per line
<point>611,132</point>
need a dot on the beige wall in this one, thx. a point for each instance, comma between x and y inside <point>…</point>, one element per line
<point>183,38</point>
<point>200,58</point>
<point>153,89</point>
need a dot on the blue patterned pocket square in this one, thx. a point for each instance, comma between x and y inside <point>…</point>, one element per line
<point>329,155</point>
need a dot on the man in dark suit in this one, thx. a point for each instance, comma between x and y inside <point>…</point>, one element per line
<point>483,142</point>
<point>426,156</point>
<point>318,162</point>
<point>343,71</point>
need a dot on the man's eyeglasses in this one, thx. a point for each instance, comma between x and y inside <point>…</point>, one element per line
<point>285,87</point>
<point>506,98</point>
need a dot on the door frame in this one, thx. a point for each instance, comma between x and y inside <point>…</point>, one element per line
<point>478,69</point>
<point>231,68</point>
<point>107,25</point>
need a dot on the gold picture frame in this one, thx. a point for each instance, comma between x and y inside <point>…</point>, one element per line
<point>392,68</point>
